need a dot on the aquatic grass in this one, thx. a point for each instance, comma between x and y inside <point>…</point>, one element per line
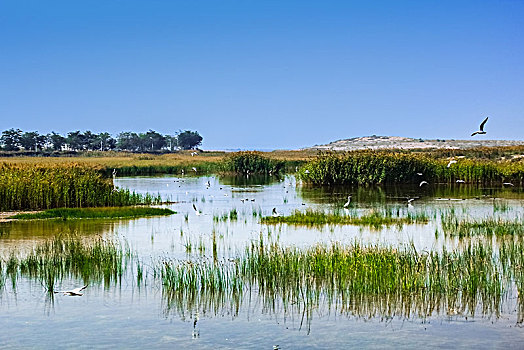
<point>453,226</point>
<point>388,167</point>
<point>41,186</point>
<point>64,258</point>
<point>249,162</point>
<point>374,219</point>
<point>95,213</point>
<point>362,281</point>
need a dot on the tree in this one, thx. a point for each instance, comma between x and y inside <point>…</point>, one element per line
<point>56,141</point>
<point>11,139</point>
<point>32,141</point>
<point>128,141</point>
<point>75,140</point>
<point>189,139</point>
<point>153,141</point>
<point>105,142</point>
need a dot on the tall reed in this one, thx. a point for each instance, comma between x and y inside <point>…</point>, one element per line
<point>43,187</point>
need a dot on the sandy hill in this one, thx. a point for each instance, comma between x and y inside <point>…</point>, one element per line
<point>385,142</point>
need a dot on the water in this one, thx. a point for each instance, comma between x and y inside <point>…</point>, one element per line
<point>130,316</point>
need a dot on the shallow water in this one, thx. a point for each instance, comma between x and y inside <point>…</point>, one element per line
<point>133,317</point>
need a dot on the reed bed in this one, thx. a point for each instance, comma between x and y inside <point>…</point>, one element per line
<point>66,258</point>
<point>25,187</point>
<point>453,226</point>
<point>369,167</point>
<point>252,163</point>
<point>375,219</point>
<point>363,281</point>
<point>95,213</point>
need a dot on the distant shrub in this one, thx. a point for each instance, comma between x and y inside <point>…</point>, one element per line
<point>250,162</point>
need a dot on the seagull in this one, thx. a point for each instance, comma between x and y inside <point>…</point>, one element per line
<point>73,292</point>
<point>274,213</point>
<point>346,205</point>
<point>481,131</point>
<point>451,162</point>
<point>423,183</point>
<point>196,210</point>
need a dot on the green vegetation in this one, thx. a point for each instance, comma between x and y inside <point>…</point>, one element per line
<point>252,163</point>
<point>362,281</point>
<point>95,213</point>
<point>368,167</point>
<point>453,226</point>
<point>68,258</point>
<point>44,187</point>
<point>374,219</point>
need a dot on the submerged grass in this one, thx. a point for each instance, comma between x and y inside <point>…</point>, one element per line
<point>95,213</point>
<point>374,219</point>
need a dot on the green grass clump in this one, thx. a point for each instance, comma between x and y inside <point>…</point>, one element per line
<point>381,167</point>
<point>94,213</point>
<point>363,281</point>
<point>69,258</point>
<point>252,163</point>
<point>38,186</point>
<point>453,226</point>
<point>374,219</point>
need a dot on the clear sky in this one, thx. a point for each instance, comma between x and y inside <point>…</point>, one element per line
<point>264,74</point>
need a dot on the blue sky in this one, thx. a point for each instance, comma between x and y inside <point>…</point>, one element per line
<point>264,74</point>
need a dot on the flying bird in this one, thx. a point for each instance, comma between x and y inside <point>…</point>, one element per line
<point>422,183</point>
<point>460,181</point>
<point>507,184</point>
<point>451,162</point>
<point>346,205</point>
<point>196,210</point>
<point>76,292</point>
<point>481,131</point>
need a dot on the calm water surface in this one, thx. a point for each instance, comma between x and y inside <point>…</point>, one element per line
<point>128,316</point>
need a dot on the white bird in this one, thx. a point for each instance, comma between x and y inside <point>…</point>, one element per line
<point>194,169</point>
<point>196,210</point>
<point>114,173</point>
<point>460,181</point>
<point>73,292</point>
<point>306,172</point>
<point>481,131</point>
<point>507,184</point>
<point>419,174</point>
<point>451,162</point>
<point>423,183</point>
<point>274,213</point>
<point>347,203</point>
<point>182,171</point>
<point>193,154</point>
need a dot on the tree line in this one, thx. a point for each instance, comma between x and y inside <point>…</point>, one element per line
<point>16,139</point>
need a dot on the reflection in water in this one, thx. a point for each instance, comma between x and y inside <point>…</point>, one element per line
<point>202,268</point>
<point>354,281</point>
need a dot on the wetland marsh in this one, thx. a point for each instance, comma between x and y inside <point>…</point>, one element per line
<point>221,276</point>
